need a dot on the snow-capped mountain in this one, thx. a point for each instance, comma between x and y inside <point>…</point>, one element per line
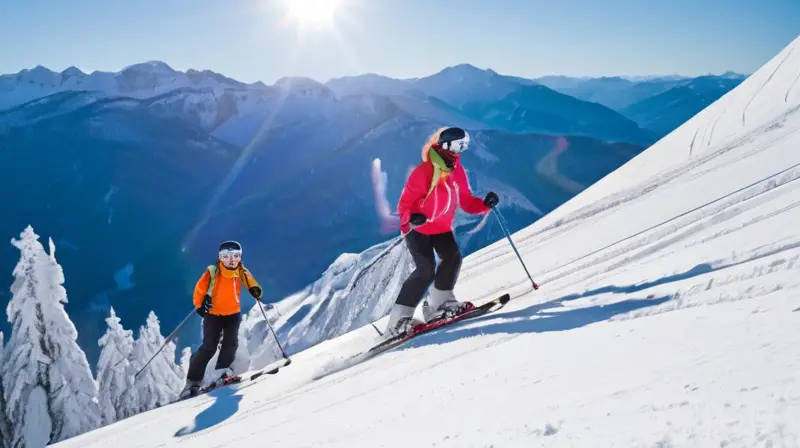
<point>667,316</point>
<point>143,80</point>
<point>452,83</point>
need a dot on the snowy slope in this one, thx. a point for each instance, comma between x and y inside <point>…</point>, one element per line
<point>667,317</point>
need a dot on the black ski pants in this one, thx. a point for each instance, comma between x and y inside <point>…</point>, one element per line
<point>444,277</point>
<point>215,327</point>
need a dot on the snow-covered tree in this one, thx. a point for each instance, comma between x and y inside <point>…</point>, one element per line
<point>117,391</point>
<point>5,427</point>
<point>49,390</point>
<point>73,401</point>
<point>161,382</point>
<point>186,358</point>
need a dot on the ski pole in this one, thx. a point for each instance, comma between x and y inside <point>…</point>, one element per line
<point>167,340</point>
<point>271,329</point>
<point>508,235</point>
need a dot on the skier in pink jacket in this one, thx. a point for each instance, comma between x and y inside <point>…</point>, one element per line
<point>433,191</point>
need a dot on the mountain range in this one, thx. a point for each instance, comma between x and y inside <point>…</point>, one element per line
<point>138,174</point>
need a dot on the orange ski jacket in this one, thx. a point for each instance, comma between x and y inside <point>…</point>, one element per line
<point>226,291</point>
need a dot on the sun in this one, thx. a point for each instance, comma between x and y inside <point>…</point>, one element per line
<point>313,13</point>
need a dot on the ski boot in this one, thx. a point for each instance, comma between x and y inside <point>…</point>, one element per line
<point>401,320</point>
<point>443,305</point>
<point>190,389</point>
<point>224,377</point>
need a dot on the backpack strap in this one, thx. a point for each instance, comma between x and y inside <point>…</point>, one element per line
<point>212,272</point>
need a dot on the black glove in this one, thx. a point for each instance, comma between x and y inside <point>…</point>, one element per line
<point>205,307</point>
<point>418,219</point>
<point>255,291</point>
<point>491,199</point>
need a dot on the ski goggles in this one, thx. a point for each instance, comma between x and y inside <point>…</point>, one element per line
<point>230,255</point>
<point>455,140</point>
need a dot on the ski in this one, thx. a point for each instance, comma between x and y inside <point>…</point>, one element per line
<point>236,379</point>
<point>392,342</point>
<point>488,307</point>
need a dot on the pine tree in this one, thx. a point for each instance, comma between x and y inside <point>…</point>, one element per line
<point>74,403</point>
<point>161,382</point>
<point>117,389</point>
<point>49,390</point>
<point>5,427</point>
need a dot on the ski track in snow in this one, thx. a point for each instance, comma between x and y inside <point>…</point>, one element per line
<point>713,127</point>
<point>755,95</point>
<point>791,87</point>
<point>667,317</point>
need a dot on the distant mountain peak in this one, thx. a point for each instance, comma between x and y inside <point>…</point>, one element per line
<point>304,86</point>
<point>468,69</point>
<point>198,77</point>
<point>38,69</point>
<point>73,71</point>
<point>150,66</point>
<point>733,75</point>
<point>299,83</point>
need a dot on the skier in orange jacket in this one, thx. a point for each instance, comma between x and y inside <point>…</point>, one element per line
<point>216,297</point>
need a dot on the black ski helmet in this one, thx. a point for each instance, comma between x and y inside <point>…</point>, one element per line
<point>230,245</point>
<point>455,140</point>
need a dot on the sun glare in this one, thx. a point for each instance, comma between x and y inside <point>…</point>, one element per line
<point>312,12</point>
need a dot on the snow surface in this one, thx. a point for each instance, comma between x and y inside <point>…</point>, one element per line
<point>667,316</point>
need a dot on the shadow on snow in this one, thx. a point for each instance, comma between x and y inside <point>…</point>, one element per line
<point>225,406</point>
<point>541,318</point>
<point>536,319</point>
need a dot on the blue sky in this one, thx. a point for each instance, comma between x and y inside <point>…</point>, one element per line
<point>252,40</point>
